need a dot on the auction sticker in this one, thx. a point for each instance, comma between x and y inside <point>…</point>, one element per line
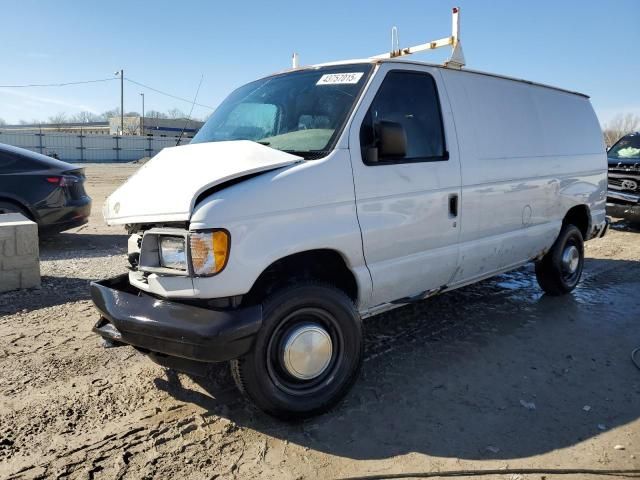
<point>340,78</point>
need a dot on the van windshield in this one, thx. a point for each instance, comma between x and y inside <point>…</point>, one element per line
<point>300,112</point>
<point>627,148</point>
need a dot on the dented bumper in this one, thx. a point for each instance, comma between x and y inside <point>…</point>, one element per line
<point>629,212</point>
<point>132,317</point>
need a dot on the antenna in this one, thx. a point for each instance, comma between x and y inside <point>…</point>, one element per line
<point>456,60</point>
<point>190,111</point>
<point>294,60</point>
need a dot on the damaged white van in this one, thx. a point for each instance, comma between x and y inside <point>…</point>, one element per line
<point>317,197</point>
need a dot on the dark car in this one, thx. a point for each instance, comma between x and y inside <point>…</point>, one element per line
<point>623,195</point>
<point>46,190</point>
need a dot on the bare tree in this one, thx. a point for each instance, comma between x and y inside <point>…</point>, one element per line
<point>619,126</point>
<point>35,121</point>
<point>57,120</point>
<point>131,125</point>
<point>105,116</point>
<point>155,114</point>
<point>85,117</point>
<point>176,113</point>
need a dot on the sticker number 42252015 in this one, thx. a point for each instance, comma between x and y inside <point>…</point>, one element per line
<point>340,78</point>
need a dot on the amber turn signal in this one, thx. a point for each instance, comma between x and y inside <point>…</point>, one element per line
<point>209,251</point>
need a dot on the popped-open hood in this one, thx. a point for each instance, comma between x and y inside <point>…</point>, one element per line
<point>166,187</point>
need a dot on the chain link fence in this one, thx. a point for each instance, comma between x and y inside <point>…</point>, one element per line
<point>79,148</point>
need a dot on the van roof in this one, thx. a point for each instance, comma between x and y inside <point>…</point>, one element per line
<point>413,62</point>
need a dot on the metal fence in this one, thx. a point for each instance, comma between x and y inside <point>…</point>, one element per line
<point>78,148</point>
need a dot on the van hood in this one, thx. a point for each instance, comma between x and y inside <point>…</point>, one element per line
<point>167,186</point>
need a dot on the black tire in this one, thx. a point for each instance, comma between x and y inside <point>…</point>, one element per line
<point>8,207</point>
<point>554,276</point>
<point>262,374</point>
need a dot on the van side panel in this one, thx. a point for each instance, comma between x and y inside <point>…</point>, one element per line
<point>528,154</point>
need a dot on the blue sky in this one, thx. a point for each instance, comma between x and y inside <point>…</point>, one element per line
<point>589,46</point>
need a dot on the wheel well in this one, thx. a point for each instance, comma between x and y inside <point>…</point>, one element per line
<point>323,265</point>
<point>579,216</point>
<point>18,204</point>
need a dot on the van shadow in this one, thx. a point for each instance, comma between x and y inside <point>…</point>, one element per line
<point>69,245</point>
<point>495,370</point>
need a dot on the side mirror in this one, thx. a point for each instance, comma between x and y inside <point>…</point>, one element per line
<point>392,140</point>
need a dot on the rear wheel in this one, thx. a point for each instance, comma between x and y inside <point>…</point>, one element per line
<point>8,207</point>
<point>560,269</point>
<point>307,355</point>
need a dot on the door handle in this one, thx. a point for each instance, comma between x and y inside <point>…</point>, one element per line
<point>453,205</point>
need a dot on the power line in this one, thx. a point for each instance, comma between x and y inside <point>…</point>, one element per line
<point>168,94</point>
<point>57,84</point>
<point>64,84</point>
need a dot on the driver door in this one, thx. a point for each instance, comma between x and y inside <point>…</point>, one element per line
<point>407,205</point>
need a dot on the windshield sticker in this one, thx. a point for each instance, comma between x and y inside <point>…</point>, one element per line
<point>340,78</point>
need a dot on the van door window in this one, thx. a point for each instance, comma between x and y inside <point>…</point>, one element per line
<point>409,100</point>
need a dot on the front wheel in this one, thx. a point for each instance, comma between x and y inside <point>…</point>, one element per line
<point>560,269</point>
<point>307,354</point>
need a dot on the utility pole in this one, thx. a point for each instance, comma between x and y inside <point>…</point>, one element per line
<point>121,102</point>
<point>142,119</point>
<point>121,73</point>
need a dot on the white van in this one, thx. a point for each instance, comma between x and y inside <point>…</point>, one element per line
<point>314,198</point>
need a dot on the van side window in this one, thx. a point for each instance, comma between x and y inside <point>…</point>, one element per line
<point>409,100</point>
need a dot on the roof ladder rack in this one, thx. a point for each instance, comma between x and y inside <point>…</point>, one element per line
<point>456,60</point>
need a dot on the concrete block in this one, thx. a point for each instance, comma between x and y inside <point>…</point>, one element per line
<point>14,219</point>
<point>19,262</point>
<point>9,248</point>
<point>27,239</point>
<point>7,232</point>
<point>9,281</point>
<point>30,277</point>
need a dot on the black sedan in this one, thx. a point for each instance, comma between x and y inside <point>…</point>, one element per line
<point>46,190</point>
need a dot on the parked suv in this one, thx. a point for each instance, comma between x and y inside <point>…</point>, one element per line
<point>623,198</point>
<point>318,197</point>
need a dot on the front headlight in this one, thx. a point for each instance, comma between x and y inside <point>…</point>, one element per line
<point>173,253</point>
<point>209,252</point>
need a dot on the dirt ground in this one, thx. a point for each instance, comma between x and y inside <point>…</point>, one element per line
<point>491,376</point>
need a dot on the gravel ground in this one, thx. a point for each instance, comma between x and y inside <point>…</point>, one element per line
<point>491,376</point>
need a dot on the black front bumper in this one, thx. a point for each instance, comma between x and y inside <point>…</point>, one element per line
<point>176,329</point>
<point>629,212</point>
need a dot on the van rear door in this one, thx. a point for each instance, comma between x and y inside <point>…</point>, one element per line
<point>407,204</point>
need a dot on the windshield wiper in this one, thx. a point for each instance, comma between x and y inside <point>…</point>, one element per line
<point>308,154</point>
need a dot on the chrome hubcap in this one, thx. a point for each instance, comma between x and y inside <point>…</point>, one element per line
<point>570,259</point>
<point>307,351</point>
